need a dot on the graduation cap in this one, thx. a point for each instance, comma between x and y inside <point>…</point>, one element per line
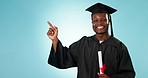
<point>101,8</point>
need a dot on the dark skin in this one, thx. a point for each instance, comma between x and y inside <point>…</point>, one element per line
<point>100,25</point>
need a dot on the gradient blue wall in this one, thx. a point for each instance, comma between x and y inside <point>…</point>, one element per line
<point>24,45</point>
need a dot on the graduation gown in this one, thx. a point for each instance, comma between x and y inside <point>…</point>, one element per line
<point>83,54</point>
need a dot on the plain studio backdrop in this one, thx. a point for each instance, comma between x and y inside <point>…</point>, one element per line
<point>24,45</point>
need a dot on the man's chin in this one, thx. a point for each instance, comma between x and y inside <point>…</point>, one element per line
<point>100,33</point>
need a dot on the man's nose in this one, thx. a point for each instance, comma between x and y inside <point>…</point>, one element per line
<point>99,23</point>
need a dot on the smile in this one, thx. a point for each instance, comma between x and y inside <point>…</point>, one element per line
<point>100,27</point>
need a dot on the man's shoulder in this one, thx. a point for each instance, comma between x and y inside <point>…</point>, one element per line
<point>116,42</point>
<point>87,38</point>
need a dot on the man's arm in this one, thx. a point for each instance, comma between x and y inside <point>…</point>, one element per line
<point>125,67</point>
<point>60,56</point>
<point>53,35</point>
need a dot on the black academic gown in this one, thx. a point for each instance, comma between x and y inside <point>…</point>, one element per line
<point>84,55</point>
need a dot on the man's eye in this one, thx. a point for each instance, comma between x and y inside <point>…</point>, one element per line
<point>105,20</point>
<point>94,21</point>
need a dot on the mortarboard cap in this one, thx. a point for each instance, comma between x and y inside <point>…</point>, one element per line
<point>101,8</point>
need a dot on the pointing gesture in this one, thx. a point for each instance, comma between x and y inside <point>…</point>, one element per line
<point>53,35</point>
<point>52,32</point>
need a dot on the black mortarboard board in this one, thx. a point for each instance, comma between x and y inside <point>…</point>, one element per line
<point>101,8</point>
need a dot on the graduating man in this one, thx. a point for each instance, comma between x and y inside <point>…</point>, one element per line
<point>83,54</point>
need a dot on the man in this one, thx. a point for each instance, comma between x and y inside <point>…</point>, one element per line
<point>84,53</point>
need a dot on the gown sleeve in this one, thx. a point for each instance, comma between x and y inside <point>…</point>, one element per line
<point>125,67</point>
<point>64,57</point>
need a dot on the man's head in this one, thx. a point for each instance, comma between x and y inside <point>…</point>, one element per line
<point>101,17</point>
<point>100,23</point>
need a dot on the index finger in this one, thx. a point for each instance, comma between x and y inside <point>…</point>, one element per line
<point>50,24</point>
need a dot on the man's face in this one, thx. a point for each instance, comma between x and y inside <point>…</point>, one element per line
<point>100,23</point>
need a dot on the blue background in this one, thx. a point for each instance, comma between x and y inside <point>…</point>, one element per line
<point>24,45</point>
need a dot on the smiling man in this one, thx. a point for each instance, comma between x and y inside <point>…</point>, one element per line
<point>84,52</point>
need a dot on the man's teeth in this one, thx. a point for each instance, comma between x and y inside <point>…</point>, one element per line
<point>100,27</point>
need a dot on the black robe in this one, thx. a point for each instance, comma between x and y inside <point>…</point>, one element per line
<point>83,54</point>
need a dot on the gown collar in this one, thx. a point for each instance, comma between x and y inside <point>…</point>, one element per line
<point>110,41</point>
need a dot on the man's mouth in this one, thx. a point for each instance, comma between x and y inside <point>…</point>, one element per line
<point>100,27</point>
